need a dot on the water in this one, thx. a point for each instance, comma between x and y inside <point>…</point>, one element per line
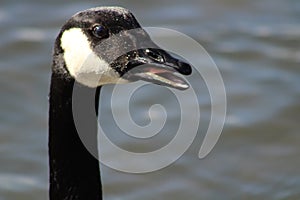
<point>256,47</point>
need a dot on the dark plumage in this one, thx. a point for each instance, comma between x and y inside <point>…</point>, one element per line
<point>74,171</point>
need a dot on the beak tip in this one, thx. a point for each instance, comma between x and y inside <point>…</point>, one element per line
<point>185,87</point>
<point>184,68</point>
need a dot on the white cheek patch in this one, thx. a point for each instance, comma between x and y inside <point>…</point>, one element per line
<point>82,63</point>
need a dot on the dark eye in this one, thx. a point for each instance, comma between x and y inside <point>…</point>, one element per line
<point>100,31</point>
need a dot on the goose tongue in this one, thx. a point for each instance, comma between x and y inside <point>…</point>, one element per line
<point>158,75</point>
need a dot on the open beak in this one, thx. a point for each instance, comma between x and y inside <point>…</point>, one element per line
<point>158,67</point>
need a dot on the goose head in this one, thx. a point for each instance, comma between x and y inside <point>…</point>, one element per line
<point>106,45</point>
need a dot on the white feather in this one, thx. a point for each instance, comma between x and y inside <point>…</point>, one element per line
<point>82,63</point>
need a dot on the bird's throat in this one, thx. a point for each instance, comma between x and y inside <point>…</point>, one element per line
<point>74,171</point>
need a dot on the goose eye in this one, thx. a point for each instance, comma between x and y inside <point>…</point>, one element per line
<point>100,31</point>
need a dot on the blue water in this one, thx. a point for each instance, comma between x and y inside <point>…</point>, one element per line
<point>256,46</point>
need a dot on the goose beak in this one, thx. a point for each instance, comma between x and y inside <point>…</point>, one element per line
<point>158,67</point>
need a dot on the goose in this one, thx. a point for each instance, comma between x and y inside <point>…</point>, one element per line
<point>86,53</point>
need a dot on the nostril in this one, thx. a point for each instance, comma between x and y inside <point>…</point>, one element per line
<point>184,68</point>
<point>154,55</point>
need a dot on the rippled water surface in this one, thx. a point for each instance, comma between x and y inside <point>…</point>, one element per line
<point>256,46</point>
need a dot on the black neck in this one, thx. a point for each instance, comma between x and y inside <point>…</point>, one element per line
<point>74,171</point>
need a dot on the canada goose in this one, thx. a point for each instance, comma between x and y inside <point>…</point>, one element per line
<point>82,56</point>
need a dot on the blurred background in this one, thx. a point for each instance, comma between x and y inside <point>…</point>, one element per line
<point>256,46</point>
